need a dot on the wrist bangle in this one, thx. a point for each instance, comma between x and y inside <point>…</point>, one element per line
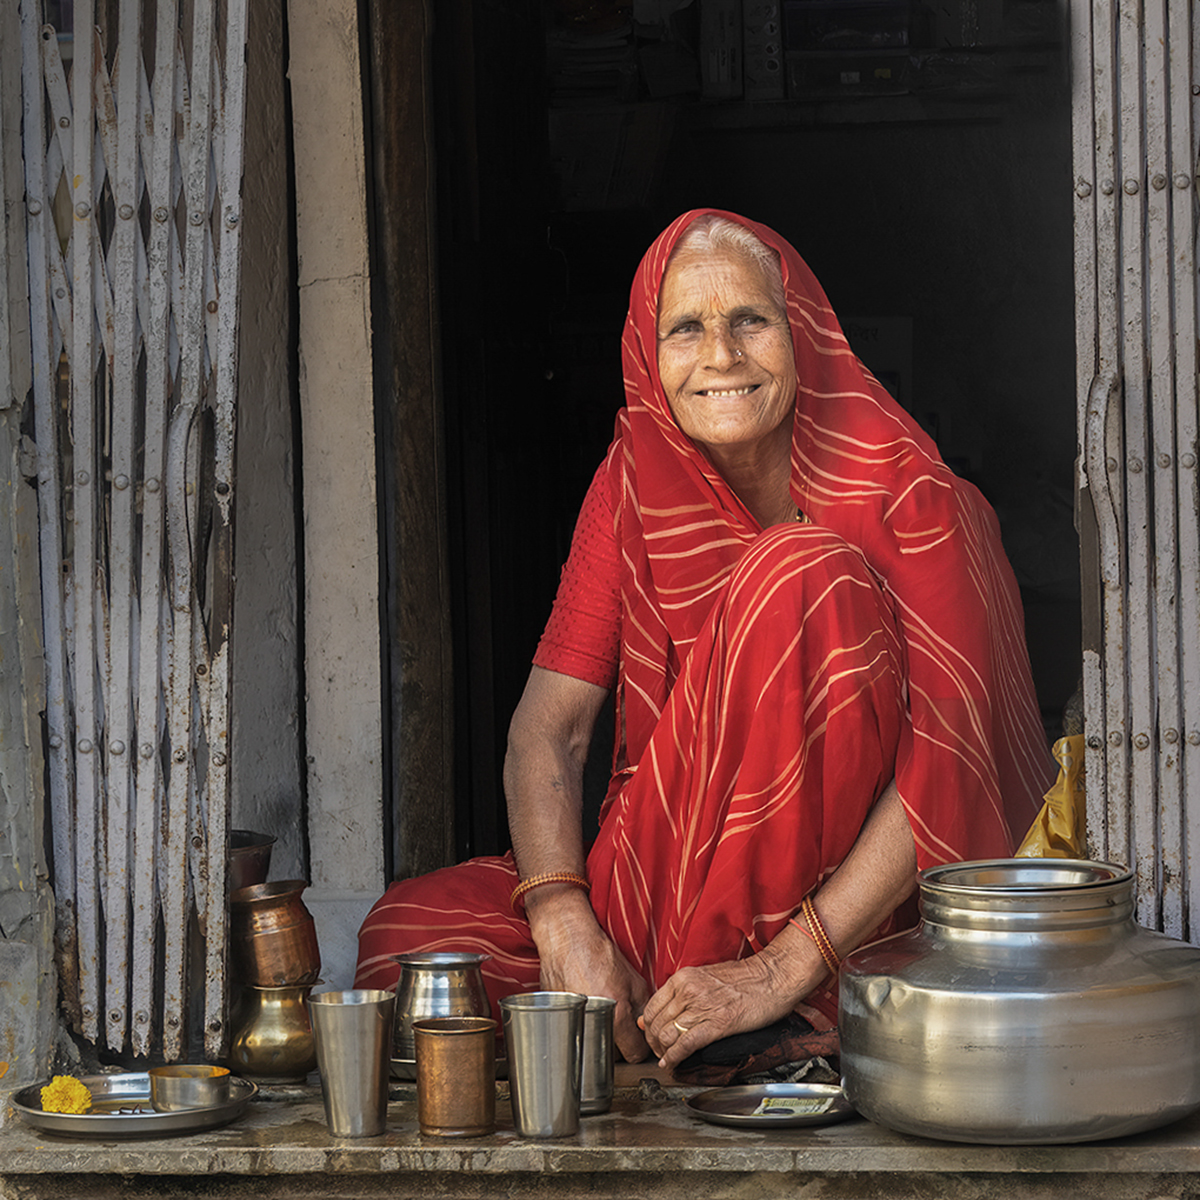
<point>816,930</point>
<point>527,885</point>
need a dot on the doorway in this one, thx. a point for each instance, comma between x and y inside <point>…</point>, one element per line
<point>934,206</point>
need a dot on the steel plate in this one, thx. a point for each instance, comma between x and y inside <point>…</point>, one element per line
<point>772,1105</point>
<point>121,1109</point>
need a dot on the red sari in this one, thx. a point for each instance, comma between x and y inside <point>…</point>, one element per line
<point>771,684</point>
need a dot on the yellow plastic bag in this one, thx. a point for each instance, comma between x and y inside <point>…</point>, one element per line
<point>1059,830</point>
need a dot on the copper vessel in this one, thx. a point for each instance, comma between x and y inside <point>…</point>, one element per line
<point>272,1034</point>
<point>456,1075</point>
<point>249,858</point>
<point>272,938</point>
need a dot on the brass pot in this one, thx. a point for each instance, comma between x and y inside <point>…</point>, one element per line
<point>272,938</point>
<point>272,1034</point>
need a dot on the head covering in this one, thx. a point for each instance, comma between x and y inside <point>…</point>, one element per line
<point>974,761</point>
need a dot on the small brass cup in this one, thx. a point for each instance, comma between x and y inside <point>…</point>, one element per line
<point>456,1075</point>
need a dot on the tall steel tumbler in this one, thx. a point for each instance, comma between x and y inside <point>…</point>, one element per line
<point>353,1033</point>
<point>544,1032</point>
<point>596,1088</point>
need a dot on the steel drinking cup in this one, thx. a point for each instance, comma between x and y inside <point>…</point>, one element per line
<point>456,1075</point>
<point>544,1032</point>
<point>596,1087</point>
<point>353,1030</point>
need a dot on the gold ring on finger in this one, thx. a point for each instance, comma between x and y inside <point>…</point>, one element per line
<point>681,1028</point>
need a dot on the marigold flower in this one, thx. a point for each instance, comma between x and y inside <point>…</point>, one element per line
<point>65,1094</point>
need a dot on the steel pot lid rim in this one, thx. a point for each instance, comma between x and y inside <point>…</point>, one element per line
<point>1001,877</point>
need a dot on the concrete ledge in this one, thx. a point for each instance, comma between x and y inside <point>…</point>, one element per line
<point>642,1148</point>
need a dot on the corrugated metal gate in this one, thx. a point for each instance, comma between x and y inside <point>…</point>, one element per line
<point>133,147</point>
<point>1135,183</point>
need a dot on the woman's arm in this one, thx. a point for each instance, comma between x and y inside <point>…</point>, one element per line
<point>712,1002</point>
<point>548,742</point>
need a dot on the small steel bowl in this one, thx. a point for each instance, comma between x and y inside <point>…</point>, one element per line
<point>184,1086</point>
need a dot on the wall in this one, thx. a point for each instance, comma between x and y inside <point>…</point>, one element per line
<point>268,779</point>
<point>28,987</point>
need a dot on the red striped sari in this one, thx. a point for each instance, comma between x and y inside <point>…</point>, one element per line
<point>771,684</point>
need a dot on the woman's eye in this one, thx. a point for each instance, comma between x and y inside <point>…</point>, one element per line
<point>750,321</point>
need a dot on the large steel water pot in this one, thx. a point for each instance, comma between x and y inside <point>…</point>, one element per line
<point>1027,1006</point>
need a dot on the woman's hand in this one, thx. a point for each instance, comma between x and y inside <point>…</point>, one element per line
<point>698,1005</point>
<point>578,956</point>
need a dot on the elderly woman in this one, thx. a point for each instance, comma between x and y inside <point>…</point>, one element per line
<point>821,679</point>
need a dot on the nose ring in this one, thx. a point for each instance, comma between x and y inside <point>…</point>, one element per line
<point>738,353</point>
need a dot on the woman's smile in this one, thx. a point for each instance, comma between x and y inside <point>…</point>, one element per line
<point>725,353</point>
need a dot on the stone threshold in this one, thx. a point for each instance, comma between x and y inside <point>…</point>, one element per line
<point>648,1145</point>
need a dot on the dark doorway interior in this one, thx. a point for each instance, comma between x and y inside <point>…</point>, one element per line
<point>936,212</point>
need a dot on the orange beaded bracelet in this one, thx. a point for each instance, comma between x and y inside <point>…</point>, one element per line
<point>816,930</point>
<point>527,885</point>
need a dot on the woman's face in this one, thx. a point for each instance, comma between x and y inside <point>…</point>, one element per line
<point>725,352</point>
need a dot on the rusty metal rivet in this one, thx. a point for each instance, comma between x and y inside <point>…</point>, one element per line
<point>147,750</point>
<point>85,746</point>
<point>117,748</point>
<point>1111,463</point>
<point>1095,741</point>
<point>121,482</point>
<point>141,1017</point>
<point>1141,741</point>
<point>1115,739</point>
<point>1135,465</point>
<point>114,1014</point>
<point>197,218</point>
<point>211,306</point>
<point>161,214</point>
<point>1194,738</point>
<point>1158,181</point>
<point>214,1027</point>
<point>35,207</point>
<point>152,485</point>
<point>1171,736</point>
<point>202,669</point>
<point>1164,460</point>
<point>82,478</point>
<point>1083,189</point>
<point>1132,187</point>
<point>231,218</point>
<point>82,210</point>
<point>1108,187</point>
<point>55,741</point>
<point>180,756</point>
<point>198,843</point>
<point>1188,460</point>
<point>60,293</point>
<point>222,488</point>
<point>173,1022</point>
<point>64,122</point>
<point>88,1010</point>
<point>1182,181</point>
<point>125,211</point>
<point>219,759</point>
<point>1196,89</point>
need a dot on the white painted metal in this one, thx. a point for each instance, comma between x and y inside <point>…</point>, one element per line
<point>1135,159</point>
<point>1182,35</point>
<point>144,302</point>
<point>46,337</point>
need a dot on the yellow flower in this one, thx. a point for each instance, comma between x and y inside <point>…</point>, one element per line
<point>65,1094</point>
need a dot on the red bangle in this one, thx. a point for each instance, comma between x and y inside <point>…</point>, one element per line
<point>816,930</point>
<point>527,885</point>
